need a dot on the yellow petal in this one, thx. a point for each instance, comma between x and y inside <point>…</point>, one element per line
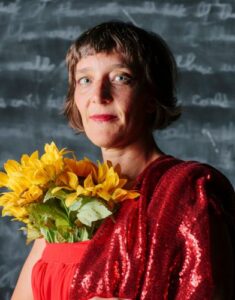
<point>70,199</point>
<point>56,189</point>
<point>73,180</point>
<point>122,182</point>
<point>8,198</point>
<point>132,194</point>
<point>3,179</point>
<point>81,191</point>
<point>53,157</point>
<point>111,181</point>
<point>34,193</point>
<point>19,213</point>
<point>40,176</point>
<point>102,170</point>
<point>34,155</point>
<point>17,184</point>
<point>104,195</point>
<point>62,179</point>
<point>119,194</point>
<point>88,182</point>
<point>11,167</point>
<point>26,159</point>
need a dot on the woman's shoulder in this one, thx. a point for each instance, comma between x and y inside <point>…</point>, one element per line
<point>198,182</point>
<point>173,173</point>
<point>204,174</point>
<point>191,170</point>
<point>179,177</point>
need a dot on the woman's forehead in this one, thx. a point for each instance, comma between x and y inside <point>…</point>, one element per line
<point>113,59</point>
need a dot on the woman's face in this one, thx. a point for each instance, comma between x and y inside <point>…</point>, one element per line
<point>110,99</point>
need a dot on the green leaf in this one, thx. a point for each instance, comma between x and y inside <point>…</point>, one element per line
<point>83,233</point>
<point>50,218</point>
<point>39,212</point>
<point>59,237</point>
<point>48,195</point>
<point>76,205</point>
<point>92,211</point>
<point>32,234</point>
<point>61,194</point>
<point>48,234</point>
<point>58,223</point>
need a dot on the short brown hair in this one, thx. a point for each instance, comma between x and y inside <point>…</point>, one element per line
<point>145,50</point>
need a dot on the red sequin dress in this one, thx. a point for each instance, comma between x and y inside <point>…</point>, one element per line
<point>160,246</point>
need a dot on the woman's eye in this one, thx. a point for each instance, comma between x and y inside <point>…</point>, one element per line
<point>122,78</point>
<point>83,81</point>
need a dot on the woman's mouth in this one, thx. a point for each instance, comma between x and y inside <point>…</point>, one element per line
<point>102,117</point>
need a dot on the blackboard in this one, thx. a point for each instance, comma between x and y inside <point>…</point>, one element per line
<point>35,36</point>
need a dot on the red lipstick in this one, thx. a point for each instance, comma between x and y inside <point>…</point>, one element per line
<point>102,117</point>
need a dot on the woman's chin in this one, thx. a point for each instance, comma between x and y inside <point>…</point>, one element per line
<point>105,141</point>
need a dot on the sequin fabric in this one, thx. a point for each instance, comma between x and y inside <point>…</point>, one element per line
<point>159,246</point>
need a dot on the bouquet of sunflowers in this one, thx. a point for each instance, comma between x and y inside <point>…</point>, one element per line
<point>60,198</point>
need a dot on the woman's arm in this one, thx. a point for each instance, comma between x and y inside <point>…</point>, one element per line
<point>23,289</point>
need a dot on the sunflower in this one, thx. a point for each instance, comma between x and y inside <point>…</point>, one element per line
<point>61,198</point>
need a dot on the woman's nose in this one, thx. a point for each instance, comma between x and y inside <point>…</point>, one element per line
<point>102,92</point>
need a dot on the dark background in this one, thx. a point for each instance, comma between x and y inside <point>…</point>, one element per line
<point>34,37</point>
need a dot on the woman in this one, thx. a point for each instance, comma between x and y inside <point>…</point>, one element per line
<point>175,241</point>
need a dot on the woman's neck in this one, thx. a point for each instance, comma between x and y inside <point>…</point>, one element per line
<point>133,158</point>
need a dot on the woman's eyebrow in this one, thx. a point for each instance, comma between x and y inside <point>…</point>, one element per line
<point>83,70</point>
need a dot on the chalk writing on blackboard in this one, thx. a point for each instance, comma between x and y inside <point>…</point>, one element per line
<point>208,133</point>
<point>41,64</point>
<point>11,8</point>
<point>218,99</point>
<point>188,62</point>
<point>29,101</point>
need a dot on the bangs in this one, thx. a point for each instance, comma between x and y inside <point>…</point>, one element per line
<point>107,40</point>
